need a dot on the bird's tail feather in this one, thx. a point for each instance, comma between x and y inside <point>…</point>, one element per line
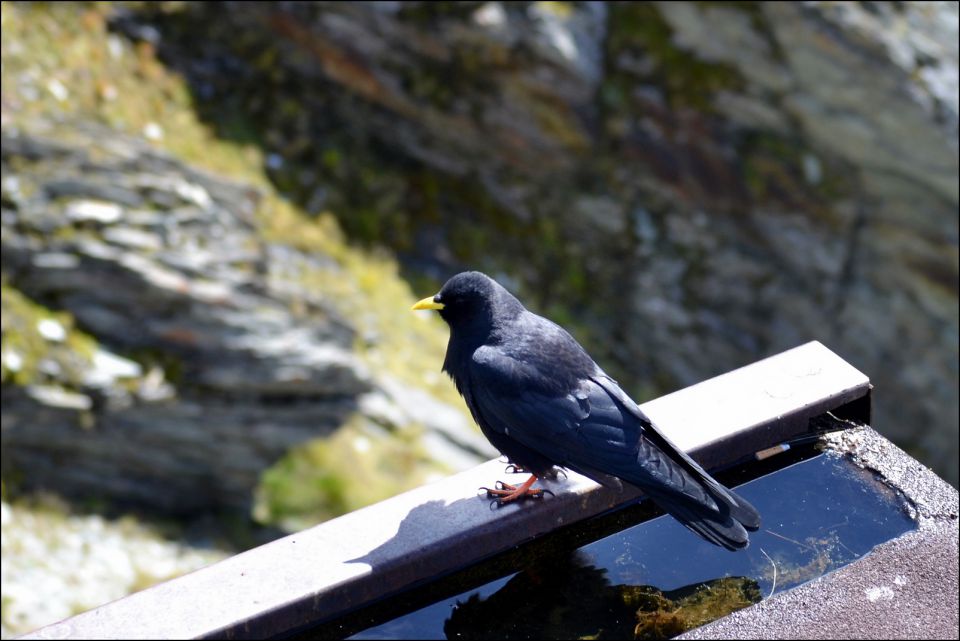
<point>720,527</point>
<point>739,509</point>
<point>715,512</point>
<point>743,511</point>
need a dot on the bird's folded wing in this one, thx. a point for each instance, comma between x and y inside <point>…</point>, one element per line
<point>741,509</point>
<point>585,430</point>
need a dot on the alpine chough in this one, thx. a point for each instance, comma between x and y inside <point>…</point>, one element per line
<point>543,402</point>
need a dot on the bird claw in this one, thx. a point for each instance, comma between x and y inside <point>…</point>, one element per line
<point>536,494</point>
<point>498,489</point>
<point>503,493</point>
<point>513,468</point>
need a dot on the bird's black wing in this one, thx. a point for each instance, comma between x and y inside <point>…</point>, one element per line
<point>595,429</point>
<point>586,429</point>
<point>741,509</point>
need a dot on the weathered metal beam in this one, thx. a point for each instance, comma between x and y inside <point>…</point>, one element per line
<point>380,550</point>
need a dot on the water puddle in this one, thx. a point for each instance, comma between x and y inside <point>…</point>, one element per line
<point>651,579</point>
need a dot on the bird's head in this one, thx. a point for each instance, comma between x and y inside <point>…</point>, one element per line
<point>472,299</point>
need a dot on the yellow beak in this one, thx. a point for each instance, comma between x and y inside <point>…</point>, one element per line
<point>428,303</point>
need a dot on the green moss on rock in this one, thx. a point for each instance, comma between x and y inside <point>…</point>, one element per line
<point>358,465</point>
<point>25,348</point>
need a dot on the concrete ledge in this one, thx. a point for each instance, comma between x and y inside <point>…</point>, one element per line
<point>906,588</point>
<point>380,550</point>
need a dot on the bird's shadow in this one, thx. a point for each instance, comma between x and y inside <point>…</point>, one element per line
<point>459,520</point>
<point>419,523</point>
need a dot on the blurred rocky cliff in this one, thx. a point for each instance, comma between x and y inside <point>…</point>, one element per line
<point>688,187</point>
<point>231,355</point>
<point>691,186</point>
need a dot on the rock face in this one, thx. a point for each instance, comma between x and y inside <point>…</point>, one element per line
<point>228,359</point>
<point>687,186</point>
<point>157,256</point>
<point>692,185</point>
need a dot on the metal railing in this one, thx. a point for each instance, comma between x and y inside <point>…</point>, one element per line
<point>383,549</point>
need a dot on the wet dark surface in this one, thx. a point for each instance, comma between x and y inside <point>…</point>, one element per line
<point>604,578</point>
<point>906,588</point>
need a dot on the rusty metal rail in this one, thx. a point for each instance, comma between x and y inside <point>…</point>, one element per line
<point>385,548</point>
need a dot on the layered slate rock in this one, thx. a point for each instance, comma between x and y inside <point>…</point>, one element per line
<point>206,359</point>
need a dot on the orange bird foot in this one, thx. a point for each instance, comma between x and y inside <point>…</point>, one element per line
<point>504,493</point>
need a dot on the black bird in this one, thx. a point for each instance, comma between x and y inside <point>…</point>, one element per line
<point>543,402</point>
